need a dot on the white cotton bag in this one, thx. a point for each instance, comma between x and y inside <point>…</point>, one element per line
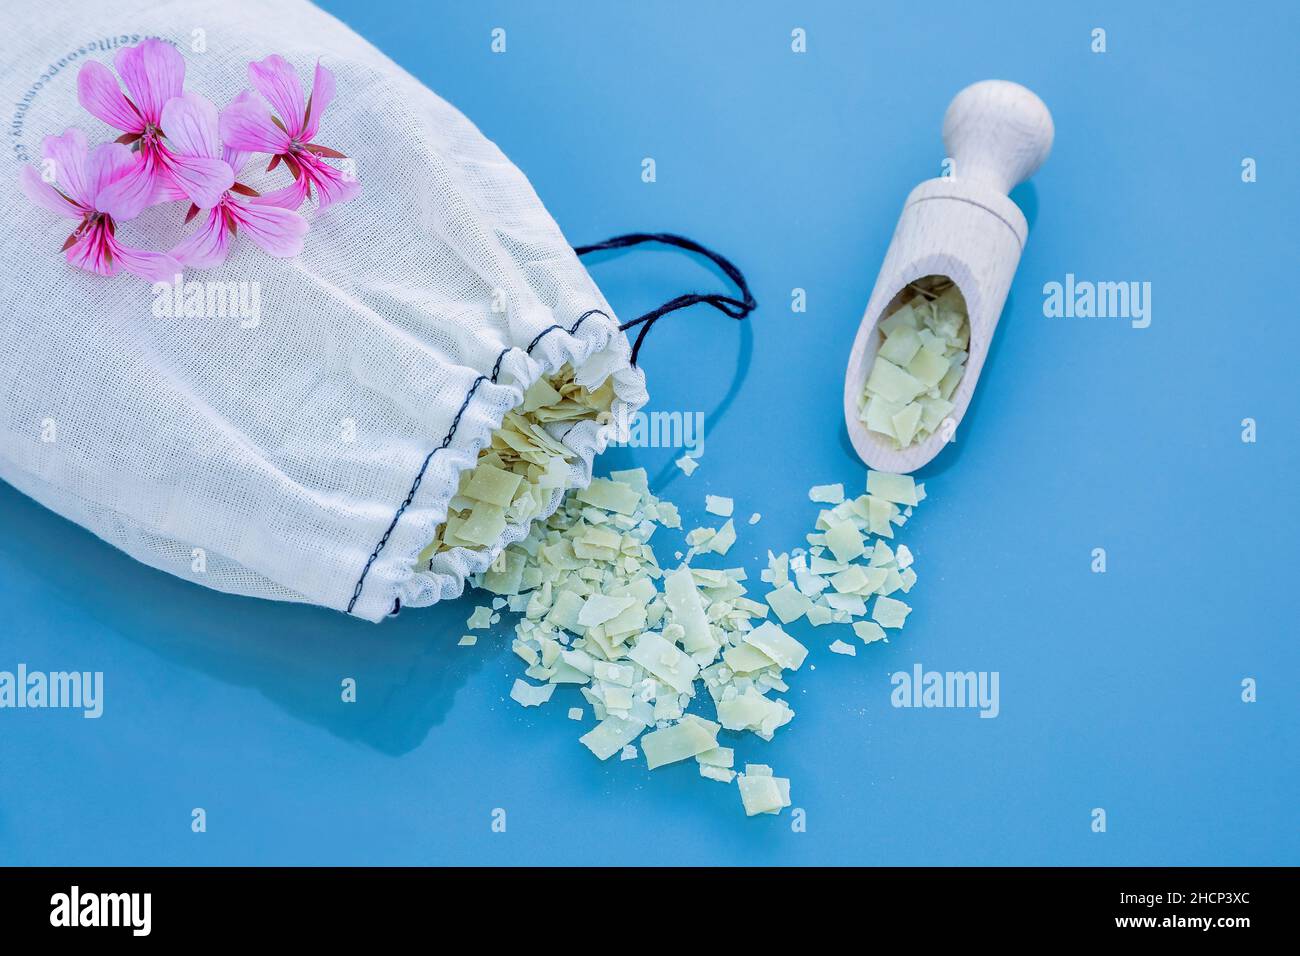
<point>308,455</point>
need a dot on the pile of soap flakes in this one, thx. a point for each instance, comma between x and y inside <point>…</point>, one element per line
<point>515,477</point>
<point>599,613</point>
<point>921,358</point>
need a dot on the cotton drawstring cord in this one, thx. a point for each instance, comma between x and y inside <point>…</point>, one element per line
<point>728,305</point>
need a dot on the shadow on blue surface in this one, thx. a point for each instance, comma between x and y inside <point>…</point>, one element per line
<point>1026,197</point>
<point>613,460</point>
<point>407,670</point>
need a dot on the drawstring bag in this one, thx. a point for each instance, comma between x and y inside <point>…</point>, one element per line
<point>305,317</point>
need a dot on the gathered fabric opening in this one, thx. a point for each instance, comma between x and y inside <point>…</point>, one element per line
<point>517,474</point>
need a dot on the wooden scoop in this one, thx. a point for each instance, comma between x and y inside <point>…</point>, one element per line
<point>960,228</point>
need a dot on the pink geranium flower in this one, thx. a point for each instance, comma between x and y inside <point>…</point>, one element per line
<point>287,134</point>
<point>154,73</point>
<point>83,180</point>
<point>190,124</point>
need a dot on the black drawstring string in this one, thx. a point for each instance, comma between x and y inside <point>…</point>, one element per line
<point>727,305</point>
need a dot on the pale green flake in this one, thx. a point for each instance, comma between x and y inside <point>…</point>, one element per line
<point>683,601</point>
<point>718,757</point>
<point>752,711</point>
<point>851,580</point>
<point>598,609</point>
<point>722,541</point>
<point>483,527</point>
<point>505,576</point>
<point>905,422</point>
<point>763,793</point>
<point>531,695</point>
<point>632,477</point>
<point>720,774</point>
<point>869,631</point>
<point>850,603</point>
<point>844,540</point>
<point>826,494</point>
<point>665,661</point>
<point>893,383</point>
<point>881,555</point>
<point>927,368</point>
<point>888,612</point>
<point>879,415</point>
<point>612,735</point>
<point>778,645</point>
<point>492,485</point>
<point>900,345</point>
<point>668,515</point>
<point>744,659</point>
<point>564,612</point>
<point>611,496</point>
<point>819,615</point>
<point>678,742</point>
<point>900,489</point>
<point>716,505</point>
<point>788,603</point>
<point>613,673</point>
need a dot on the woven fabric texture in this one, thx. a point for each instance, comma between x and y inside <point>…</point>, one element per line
<point>270,455</point>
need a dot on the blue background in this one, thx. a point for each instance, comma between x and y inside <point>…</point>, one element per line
<point>1118,690</point>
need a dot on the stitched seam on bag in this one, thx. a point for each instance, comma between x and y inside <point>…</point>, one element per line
<point>451,433</point>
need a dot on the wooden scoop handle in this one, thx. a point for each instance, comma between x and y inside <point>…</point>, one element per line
<point>997,133</point>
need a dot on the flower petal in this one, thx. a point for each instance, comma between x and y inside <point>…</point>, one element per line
<point>45,195</point>
<point>166,190</point>
<point>68,153</point>
<point>247,126</point>
<point>203,179</point>
<point>190,124</point>
<point>132,192</point>
<point>274,230</point>
<point>107,164</point>
<point>91,252</point>
<point>322,92</point>
<point>277,80</point>
<point>154,266</point>
<point>101,97</point>
<point>153,72</point>
<point>331,185</point>
<point>290,197</point>
<point>206,246</point>
<point>237,159</point>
